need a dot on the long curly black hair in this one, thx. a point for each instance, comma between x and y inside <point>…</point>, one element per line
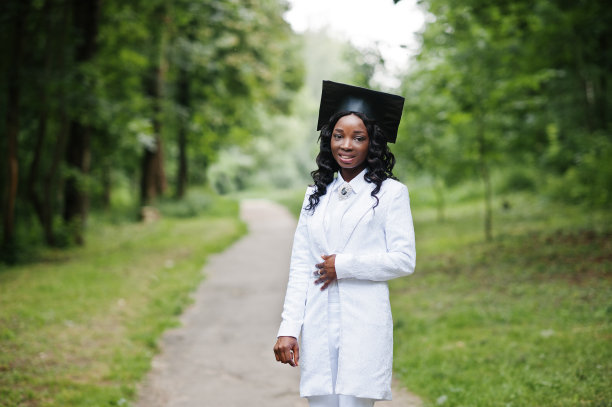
<point>379,162</point>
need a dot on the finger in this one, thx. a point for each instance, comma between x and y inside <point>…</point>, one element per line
<point>327,283</point>
<point>296,354</point>
<point>289,359</point>
<point>320,280</point>
<point>285,355</point>
<point>319,265</point>
<point>277,355</point>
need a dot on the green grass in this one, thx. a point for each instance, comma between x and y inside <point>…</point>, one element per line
<point>524,320</point>
<point>79,327</point>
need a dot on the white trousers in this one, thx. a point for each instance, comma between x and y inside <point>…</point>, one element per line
<point>336,400</point>
<point>339,400</point>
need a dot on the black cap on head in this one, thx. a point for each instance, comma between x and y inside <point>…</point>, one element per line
<point>384,108</point>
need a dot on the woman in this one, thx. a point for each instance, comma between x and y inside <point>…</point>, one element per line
<point>355,232</point>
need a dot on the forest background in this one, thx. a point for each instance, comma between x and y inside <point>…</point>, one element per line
<point>113,105</point>
<point>109,107</point>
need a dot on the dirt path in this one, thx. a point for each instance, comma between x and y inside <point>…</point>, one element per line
<point>221,356</point>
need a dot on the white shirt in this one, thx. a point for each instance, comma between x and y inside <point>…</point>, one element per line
<point>337,207</point>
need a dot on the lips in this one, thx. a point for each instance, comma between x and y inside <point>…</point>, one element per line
<point>346,159</point>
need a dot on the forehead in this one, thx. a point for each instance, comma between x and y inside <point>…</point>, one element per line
<point>350,121</point>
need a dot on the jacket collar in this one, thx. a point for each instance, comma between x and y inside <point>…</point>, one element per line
<point>357,183</point>
<point>359,208</point>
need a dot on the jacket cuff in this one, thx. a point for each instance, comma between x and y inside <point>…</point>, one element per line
<point>343,265</point>
<point>288,328</point>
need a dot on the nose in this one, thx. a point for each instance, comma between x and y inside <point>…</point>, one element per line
<point>346,143</point>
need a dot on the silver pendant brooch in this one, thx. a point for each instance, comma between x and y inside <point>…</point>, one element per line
<point>344,191</point>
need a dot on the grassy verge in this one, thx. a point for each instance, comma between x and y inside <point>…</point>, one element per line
<point>79,327</point>
<point>524,320</point>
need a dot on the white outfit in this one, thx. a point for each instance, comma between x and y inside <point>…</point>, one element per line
<point>372,245</point>
<point>332,222</point>
<point>336,400</point>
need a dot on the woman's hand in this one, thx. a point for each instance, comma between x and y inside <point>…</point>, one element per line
<point>287,350</point>
<point>326,271</point>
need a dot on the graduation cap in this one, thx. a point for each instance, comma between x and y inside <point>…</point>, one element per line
<point>384,108</point>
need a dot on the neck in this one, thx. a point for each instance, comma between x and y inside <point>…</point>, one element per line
<point>348,174</point>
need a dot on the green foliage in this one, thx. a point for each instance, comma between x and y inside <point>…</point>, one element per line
<point>196,203</point>
<point>157,70</point>
<point>279,156</point>
<point>518,179</point>
<point>241,58</point>
<point>80,326</point>
<point>498,85</point>
<point>589,180</point>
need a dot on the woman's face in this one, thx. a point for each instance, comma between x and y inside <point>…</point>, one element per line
<point>349,145</point>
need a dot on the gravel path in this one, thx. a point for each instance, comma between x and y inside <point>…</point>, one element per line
<point>222,353</point>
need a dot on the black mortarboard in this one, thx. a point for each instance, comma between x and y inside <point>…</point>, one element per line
<point>384,108</point>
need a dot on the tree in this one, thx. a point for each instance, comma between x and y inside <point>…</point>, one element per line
<point>230,62</point>
<point>100,82</point>
<point>519,83</point>
<point>153,177</point>
<point>19,12</point>
<point>78,151</point>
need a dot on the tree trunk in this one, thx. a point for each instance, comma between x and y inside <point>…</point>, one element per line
<point>153,180</point>
<point>486,179</point>
<point>148,192</point>
<point>183,99</point>
<point>41,134</point>
<point>76,199</point>
<point>78,151</point>
<point>12,127</point>
<point>161,184</point>
<point>51,179</point>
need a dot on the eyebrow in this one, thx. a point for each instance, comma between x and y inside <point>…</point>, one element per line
<point>340,129</point>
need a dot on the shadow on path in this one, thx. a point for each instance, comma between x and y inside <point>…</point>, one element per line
<point>222,353</point>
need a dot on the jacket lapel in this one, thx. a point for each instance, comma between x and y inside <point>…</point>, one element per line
<point>355,214</point>
<point>315,224</point>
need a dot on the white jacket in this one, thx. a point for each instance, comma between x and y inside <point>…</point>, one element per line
<point>377,245</point>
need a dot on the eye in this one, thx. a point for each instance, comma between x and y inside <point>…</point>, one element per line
<point>360,139</point>
<point>337,136</point>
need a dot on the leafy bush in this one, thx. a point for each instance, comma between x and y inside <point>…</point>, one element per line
<point>195,203</point>
<point>518,179</point>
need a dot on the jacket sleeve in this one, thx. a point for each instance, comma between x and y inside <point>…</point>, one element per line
<point>299,272</point>
<point>400,257</point>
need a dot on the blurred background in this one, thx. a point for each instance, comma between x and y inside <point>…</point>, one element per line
<point>117,112</point>
<point>111,105</point>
